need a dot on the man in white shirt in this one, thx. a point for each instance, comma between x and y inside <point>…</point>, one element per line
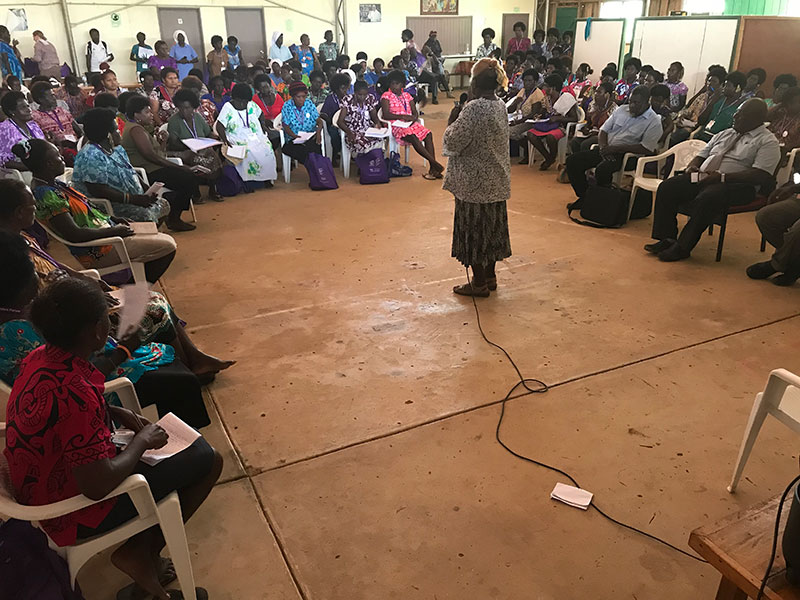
<point>633,127</point>
<point>97,53</point>
<point>727,172</point>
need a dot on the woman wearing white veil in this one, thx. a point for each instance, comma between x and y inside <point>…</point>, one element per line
<point>278,51</point>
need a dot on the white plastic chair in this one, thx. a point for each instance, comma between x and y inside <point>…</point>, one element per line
<point>781,399</point>
<point>346,155</point>
<point>166,514</point>
<point>394,144</point>
<point>785,173</point>
<point>572,129</point>
<point>684,153</point>
<point>118,243</point>
<point>277,122</point>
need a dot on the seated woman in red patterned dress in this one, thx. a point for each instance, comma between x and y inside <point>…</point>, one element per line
<point>58,438</point>
<point>398,105</point>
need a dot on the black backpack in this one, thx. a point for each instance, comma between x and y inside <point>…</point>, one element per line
<point>606,207</point>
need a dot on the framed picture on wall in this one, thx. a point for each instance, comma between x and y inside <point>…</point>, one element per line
<point>369,13</point>
<point>438,7</point>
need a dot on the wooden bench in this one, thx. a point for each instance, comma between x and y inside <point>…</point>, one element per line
<point>739,545</point>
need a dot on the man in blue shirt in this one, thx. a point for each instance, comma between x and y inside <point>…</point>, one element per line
<point>633,127</point>
<point>184,54</point>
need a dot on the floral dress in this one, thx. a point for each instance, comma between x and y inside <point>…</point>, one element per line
<point>54,200</point>
<point>12,134</point>
<point>94,165</point>
<point>243,128</point>
<point>306,58</point>
<point>401,105</point>
<point>18,338</point>
<point>166,108</point>
<point>359,120</point>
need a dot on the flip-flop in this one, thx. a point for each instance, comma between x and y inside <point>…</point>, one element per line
<point>166,575</point>
<point>429,177</point>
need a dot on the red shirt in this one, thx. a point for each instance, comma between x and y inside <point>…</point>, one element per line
<point>269,111</point>
<point>57,420</point>
<point>517,45</point>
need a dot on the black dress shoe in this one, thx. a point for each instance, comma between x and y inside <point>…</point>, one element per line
<point>659,246</point>
<point>786,279</point>
<point>673,253</point>
<point>761,270</point>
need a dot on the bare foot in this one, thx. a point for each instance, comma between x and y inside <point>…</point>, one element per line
<point>135,559</point>
<point>205,364</point>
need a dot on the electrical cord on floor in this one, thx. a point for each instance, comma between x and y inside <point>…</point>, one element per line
<point>540,388</point>
<point>775,538</point>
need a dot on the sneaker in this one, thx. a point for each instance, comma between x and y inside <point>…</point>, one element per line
<point>659,246</point>
<point>761,270</point>
<point>673,253</point>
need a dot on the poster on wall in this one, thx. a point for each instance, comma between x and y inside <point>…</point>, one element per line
<point>369,13</point>
<point>438,7</point>
<point>16,20</point>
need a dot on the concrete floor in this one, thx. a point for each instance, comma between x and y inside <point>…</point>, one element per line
<point>358,426</point>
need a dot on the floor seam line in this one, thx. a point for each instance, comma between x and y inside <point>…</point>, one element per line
<point>256,473</point>
<point>278,541</point>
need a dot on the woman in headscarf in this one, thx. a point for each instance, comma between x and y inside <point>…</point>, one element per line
<point>479,176</point>
<point>278,50</point>
<point>183,54</point>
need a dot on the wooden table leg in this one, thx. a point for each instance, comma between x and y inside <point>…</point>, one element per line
<point>729,591</point>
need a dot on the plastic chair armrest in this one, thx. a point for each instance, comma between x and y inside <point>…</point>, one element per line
<point>124,389</point>
<point>104,204</point>
<point>134,485</point>
<point>91,273</point>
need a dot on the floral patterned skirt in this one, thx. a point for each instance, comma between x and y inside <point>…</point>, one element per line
<point>480,233</point>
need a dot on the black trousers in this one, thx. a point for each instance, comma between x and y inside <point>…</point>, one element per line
<point>183,187</point>
<point>702,202</point>
<point>172,474</point>
<point>579,144</point>
<point>174,388</point>
<point>300,152</point>
<point>604,169</point>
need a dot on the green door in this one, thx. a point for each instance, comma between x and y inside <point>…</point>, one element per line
<point>566,18</point>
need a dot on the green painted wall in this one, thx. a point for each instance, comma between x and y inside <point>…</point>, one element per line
<point>566,17</point>
<point>755,7</point>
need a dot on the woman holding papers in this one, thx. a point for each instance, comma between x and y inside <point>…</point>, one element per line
<point>59,428</point>
<point>70,215</point>
<point>398,106</point>
<point>188,124</point>
<point>102,170</point>
<point>301,123</point>
<point>557,110</point>
<point>148,151</point>
<point>158,324</point>
<point>240,129</point>
<point>359,113</point>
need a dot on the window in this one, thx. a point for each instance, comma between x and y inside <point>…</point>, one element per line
<point>704,7</point>
<point>453,33</point>
<point>623,9</point>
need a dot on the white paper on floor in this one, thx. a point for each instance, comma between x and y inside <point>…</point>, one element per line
<point>571,495</point>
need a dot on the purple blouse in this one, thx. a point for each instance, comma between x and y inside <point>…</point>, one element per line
<point>11,134</point>
<point>158,63</point>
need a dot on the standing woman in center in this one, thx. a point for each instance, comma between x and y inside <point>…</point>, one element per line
<point>479,176</point>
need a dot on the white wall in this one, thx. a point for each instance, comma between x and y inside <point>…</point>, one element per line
<point>383,39</point>
<point>376,39</point>
<point>144,17</point>
<point>602,47</point>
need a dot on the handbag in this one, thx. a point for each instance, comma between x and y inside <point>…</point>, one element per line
<point>545,127</point>
<point>320,172</point>
<point>603,207</point>
<point>372,167</point>
<point>642,204</point>
<point>396,168</point>
<point>230,182</point>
